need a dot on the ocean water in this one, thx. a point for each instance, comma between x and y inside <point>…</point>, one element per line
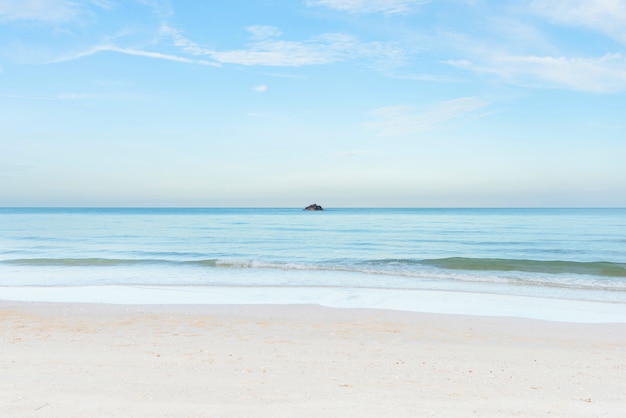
<point>482,261</point>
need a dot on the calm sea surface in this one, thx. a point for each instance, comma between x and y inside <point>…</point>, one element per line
<point>575,254</point>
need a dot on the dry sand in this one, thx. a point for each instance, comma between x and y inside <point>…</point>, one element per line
<point>60,360</point>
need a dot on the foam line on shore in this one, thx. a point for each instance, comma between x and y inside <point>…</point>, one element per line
<point>426,301</point>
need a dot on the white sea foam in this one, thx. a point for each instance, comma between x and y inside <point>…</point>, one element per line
<point>430,301</point>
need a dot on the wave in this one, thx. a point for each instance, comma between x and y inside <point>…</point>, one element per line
<point>594,268</point>
<point>98,262</point>
<point>485,274</point>
<point>114,262</point>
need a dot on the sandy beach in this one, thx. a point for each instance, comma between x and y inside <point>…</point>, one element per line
<point>96,360</point>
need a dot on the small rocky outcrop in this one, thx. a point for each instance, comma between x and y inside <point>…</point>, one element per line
<point>314,206</point>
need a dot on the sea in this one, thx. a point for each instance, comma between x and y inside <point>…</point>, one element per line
<point>548,264</point>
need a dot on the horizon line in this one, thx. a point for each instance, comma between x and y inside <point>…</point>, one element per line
<point>298,207</point>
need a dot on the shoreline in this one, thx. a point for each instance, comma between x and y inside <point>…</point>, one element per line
<point>70,360</point>
<point>404,300</point>
<point>528,327</point>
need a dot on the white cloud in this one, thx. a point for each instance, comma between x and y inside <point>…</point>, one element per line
<point>402,120</point>
<point>368,6</point>
<point>261,32</point>
<point>605,16</point>
<point>525,55</point>
<point>104,4</point>
<point>61,96</point>
<point>162,8</point>
<point>266,50</point>
<point>39,10</point>
<point>75,96</point>
<point>260,89</point>
<point>518,33</point>
<point>603,74</point>
<point>135,52</point>
<point>436,78</point>
<point>263,50</point>
<point>184,43</point>
<point>322,50</point>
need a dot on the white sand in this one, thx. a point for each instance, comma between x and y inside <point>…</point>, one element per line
<point>73,360</point>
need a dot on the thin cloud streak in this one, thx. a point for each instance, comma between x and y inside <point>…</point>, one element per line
<point>288,53</point>
<point>261,32</point>
<point>605,74</point>
<point>266,50</point>
<point>402,120</point>
<point>605,16</point>
<point>52,11</point>
<point>538,69</point>
<point>134,52</point>
<point>61,96</point>
<point>183,43</point>
<point>369,6</point>
<point>324,49</point>
<point>104,4</point>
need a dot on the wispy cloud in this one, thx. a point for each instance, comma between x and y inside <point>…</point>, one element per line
<point>183,43</point>
<point>323,49</point>
<point>368,6</point>
<point>260,89</point>
<point>39,10</point>
<point>604,16</point>
<point>261,32</point>
<point>76,96</point>
<point>61,96</point>
<point>435,78</point>
<point>602,74</point>
<point>402,120</point>
<point>135,52</point>
<point>266,49</point>
<point>104,4</point>
<point>525,52</point>
<point>517,34</point>
<point>162,8</point>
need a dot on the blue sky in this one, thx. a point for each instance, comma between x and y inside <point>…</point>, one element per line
<point>347,103</point>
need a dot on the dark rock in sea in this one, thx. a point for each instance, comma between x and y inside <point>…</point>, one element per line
<point>314,206</point>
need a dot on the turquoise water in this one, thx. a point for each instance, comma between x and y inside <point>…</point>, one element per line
<point>573,254</point>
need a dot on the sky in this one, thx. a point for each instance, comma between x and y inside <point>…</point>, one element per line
<point>283,103</point>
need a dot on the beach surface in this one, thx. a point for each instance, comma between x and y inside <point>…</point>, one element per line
<point>102,360</point>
